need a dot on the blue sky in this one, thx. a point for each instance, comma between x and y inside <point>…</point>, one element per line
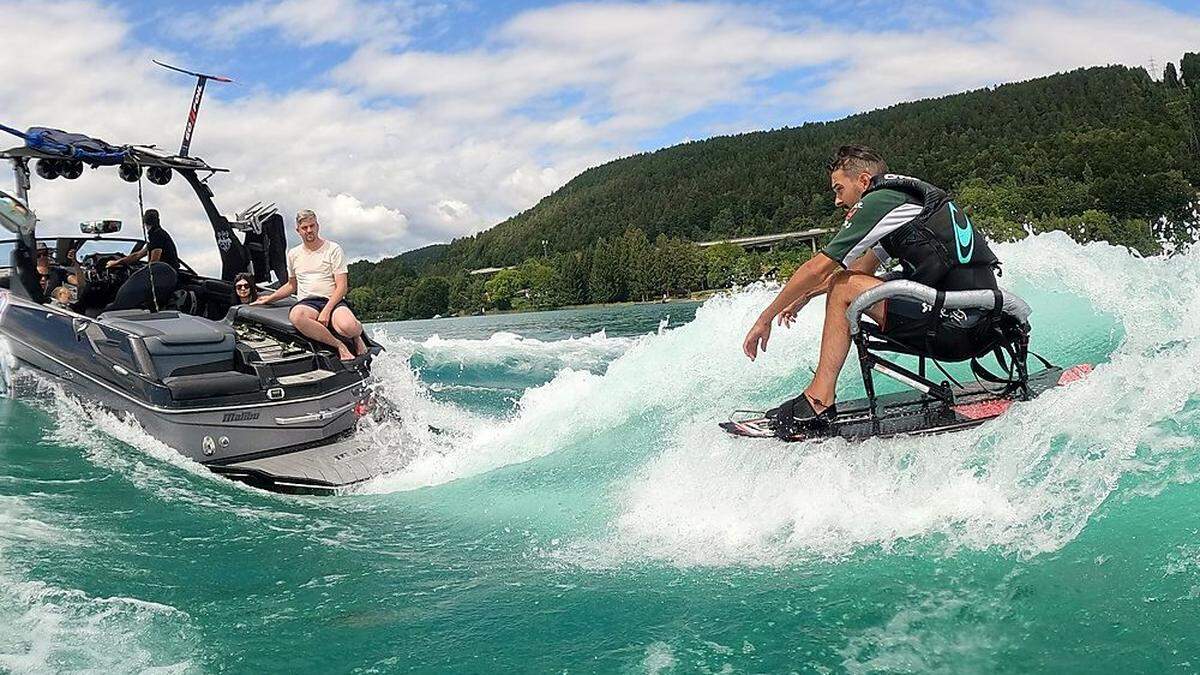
<point>405,122</point>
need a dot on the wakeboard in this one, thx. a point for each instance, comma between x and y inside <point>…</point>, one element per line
<point>911,412</point>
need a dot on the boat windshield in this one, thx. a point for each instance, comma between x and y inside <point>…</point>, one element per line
<point>86,247</point>
<point>105,246</point>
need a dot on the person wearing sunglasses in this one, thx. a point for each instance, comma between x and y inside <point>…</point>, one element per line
<point>245,292</point>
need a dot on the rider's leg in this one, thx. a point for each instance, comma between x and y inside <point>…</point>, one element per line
<point>305,320</point>
<point>835,337</point>
<point>348,326</point>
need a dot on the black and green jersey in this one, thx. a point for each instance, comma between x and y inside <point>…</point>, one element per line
<point>878,214</point>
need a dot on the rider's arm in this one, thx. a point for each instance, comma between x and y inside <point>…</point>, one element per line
<point>341,277</point>
<point>134,257</point>
<point>878,214</point>
<point>155,254</point>
<point>810,280</point>
<point>341,284</point>
<point>281,292</point>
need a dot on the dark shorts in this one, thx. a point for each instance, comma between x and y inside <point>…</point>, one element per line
<point>318,303</point>
<point>959,335</point>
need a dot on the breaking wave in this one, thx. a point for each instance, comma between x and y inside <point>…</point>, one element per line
<point>1027,483</point>
<point>632,419</point>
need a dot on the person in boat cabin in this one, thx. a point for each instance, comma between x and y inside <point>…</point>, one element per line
<point>888,217</point>
<point>162,269</point>
<point>50,275</point>
<point>244,290</point>
<point>320,278</point>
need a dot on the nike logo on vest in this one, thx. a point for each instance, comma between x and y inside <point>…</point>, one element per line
<point>964,237</point>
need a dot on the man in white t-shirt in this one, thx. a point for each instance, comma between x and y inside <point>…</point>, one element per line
<point>318,275</point>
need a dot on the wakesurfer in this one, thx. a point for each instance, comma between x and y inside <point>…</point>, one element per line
<point>888,218</point>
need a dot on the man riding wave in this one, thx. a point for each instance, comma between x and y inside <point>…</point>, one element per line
<point>889,218</point>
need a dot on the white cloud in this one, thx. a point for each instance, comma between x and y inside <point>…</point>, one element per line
<point>411,147</point>
<point>308,22</point>
<point>1023,41</point>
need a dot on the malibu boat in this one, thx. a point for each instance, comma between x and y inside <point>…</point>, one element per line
<point>234,387</point>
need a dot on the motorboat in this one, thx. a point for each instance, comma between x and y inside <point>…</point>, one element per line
<point>234,387</point>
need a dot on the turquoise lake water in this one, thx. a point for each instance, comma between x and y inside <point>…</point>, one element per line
<point>581,512</point>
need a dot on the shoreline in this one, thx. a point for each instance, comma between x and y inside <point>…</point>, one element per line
<point>698,296</point>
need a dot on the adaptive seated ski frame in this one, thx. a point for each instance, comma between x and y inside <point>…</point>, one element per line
<point>868,338</point>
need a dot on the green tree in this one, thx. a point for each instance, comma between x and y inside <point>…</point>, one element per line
<point>721,263</point>
<point>638,261</point>
<point>1189,69</point>
<point>542,284</point>
<point>687,264</point>
<point>1099,226</point>
<point>466,293</point>
<point>364,300</point>
<point>606,281</point>
<point>427,298</point>
<point>571,270</point>
<point>1170,77</point>
<point>504,288</point>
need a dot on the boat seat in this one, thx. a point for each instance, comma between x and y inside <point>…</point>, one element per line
<point>168,327</point>
<point>178,343</point>
<point>1011,303</point>
<point>204,385</point>
<point>1014,312</point>
<point>274,315</point>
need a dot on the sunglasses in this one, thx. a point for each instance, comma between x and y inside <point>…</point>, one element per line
<point>241,286</point>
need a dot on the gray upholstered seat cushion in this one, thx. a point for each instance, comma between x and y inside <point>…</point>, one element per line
<point>274,315</point>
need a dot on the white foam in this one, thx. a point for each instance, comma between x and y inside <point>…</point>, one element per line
<point>51,629</point>
<point>660,658</point>
<point>694,367</point>
<point>511,351</point>
<point>1027,483</point>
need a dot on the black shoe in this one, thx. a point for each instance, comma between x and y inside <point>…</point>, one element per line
<point>797,417</point>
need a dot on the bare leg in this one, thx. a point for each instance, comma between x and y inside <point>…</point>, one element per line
<point>305,321</point>
<point>346,324</point>
<point>835,337</point>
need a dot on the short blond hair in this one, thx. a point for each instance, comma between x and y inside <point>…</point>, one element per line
<point>305,214</point>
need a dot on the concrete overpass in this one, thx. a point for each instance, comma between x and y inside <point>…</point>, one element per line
<point>766,242</point>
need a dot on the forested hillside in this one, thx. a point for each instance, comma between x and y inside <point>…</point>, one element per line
<point>1102,153</point>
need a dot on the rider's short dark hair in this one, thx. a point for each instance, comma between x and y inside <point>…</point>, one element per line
<point>856,159</point>
<point>150,218</point>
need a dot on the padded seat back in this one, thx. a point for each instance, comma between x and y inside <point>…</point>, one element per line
<point>179,344</point>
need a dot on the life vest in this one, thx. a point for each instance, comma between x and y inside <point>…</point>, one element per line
<point>939,247</point>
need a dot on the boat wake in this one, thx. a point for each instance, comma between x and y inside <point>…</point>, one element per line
<point>634,420</point>
<point>1027,483</point>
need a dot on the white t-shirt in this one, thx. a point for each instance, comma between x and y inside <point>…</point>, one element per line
<point>314,270</point>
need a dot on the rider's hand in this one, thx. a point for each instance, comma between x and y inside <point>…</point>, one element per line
<point>111,264</point>
<point>788,316</point>
<point>260,301</point>
<point>324,316</point>
<point>757,338</point>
